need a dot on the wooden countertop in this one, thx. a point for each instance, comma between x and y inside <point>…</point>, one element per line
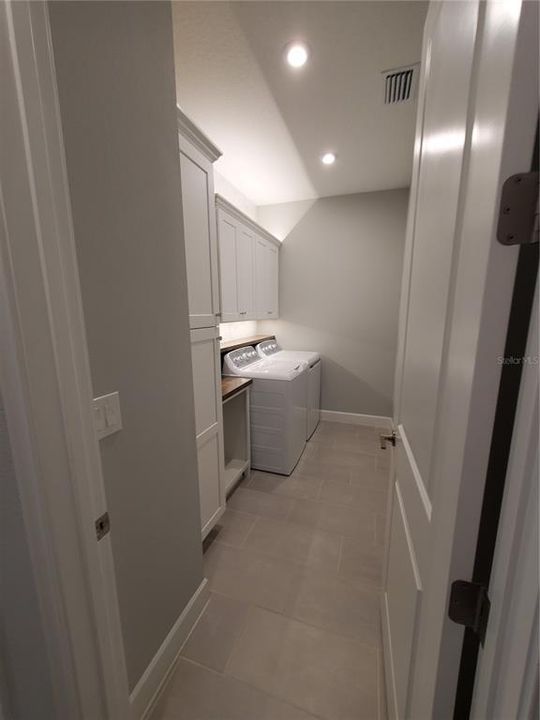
<point>232,385</point>
<point>228,345</point>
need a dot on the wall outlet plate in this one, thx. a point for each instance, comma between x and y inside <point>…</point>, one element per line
<point>107,415</point>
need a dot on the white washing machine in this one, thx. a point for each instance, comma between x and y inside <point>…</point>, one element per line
<point>277,408</point>
<point>271,349</point>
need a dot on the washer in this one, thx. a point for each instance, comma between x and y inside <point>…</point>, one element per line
<point>278,408</point>
<point>271,349</point>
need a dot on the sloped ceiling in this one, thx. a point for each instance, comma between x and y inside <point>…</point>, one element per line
<point>272,123</point>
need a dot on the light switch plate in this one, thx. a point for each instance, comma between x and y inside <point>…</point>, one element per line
<point>107,415</point>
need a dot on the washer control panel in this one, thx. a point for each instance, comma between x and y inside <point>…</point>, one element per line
<point>268,347</point>
<point>243,356</point>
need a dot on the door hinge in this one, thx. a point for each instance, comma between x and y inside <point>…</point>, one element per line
<point>103,525</point>
<point>518,212</point>
<point>388,438</point>
<point>469,605</point>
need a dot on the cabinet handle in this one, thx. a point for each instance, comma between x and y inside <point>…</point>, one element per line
<point>244,313</point>
<point>269,312</point>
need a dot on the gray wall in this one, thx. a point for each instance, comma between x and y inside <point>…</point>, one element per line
<point>115,72</point>
<point>340,280</point>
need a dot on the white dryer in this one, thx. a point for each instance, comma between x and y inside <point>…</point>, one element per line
<point>270,349</point>
<point>277,408</point>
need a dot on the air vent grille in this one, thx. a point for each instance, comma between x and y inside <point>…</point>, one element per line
<point>399,84</point>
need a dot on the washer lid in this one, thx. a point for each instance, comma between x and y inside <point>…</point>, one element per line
<point>306,356</point>
<point>247,363</point>
<point>271,349</point>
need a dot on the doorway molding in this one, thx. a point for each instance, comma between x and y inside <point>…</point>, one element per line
<point>47,386</point>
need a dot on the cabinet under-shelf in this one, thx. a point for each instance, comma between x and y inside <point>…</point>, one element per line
<point>234,470</point>
<point>236,437</point>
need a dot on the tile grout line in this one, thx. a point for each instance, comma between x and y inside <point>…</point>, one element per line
<point>255,522</point>
<point>247,684</point>
<point>378,686</point>
<point>340,554</point>
<point>238,638</point>
<point>301,621</point>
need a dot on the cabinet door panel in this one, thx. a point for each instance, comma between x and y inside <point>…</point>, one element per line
<point>261,279</point>
<point>244,268</point>
<point>204,389</point>
<point>205,360</point>
<point>199,238</point>
<point>227,261</point>
<point>273,281</point>
<point>266,279</point>
<point>208,458</point>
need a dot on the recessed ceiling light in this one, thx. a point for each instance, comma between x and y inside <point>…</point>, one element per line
<point>297,54</point>
<point>328,158</point>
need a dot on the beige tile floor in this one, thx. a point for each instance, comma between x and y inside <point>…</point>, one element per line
<point>292,627</point>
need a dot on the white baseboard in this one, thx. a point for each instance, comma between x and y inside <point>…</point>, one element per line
<point>380,421</point>
<point>388,660</point>
<point>154,678</point>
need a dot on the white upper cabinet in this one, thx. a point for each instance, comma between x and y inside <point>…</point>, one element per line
<point>227,264</point>
<point>245,241</point>
<point>197,154</point>
<point>266,279</point>
<point>249,266</point>
<point>272,310</point>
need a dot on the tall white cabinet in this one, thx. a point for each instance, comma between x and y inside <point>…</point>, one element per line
<point>197,154</point>
<point>248,266</point>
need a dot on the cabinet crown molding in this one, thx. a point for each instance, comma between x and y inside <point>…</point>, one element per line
<point>195,135</point>
<point>239,215</point>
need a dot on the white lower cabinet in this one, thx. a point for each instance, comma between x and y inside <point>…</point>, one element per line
<point>205,357</point>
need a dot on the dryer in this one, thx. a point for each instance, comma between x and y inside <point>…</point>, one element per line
<point>278,407</point>
<point>270,349</point>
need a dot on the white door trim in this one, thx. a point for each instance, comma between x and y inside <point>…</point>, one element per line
<point>506,662</point>
<point>47,385</point>
<point>422,84</point>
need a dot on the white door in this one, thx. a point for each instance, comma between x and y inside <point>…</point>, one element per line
<point>205,356</point>
<point>200,236</point>
<point>245,242</point>
<point>227,233</point>
<point>464,97</point>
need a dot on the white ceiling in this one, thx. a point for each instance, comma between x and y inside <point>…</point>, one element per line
<point>272,123</point>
